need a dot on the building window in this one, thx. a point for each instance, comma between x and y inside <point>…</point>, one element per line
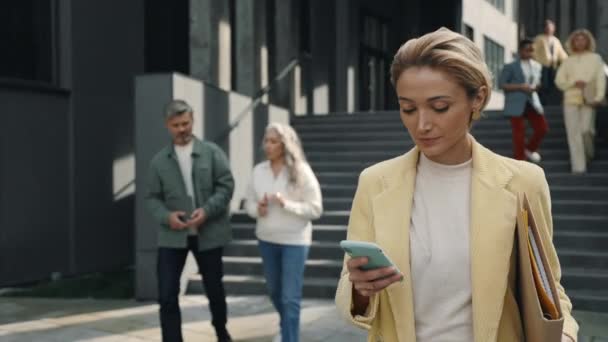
<point>468,32</point>
<point>167,37</point>
<point>374,64</point>
<point>495,58</point>
<point>499,4</point>
<point>27,40</point>
<point>304,28</point>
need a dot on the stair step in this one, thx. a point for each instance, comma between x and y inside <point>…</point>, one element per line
<point>589,192</point>
<point>256,285</point>
<point>584,240</point>
<point>571,258</point>
<point>320,232</point>
<point>318,249</point>
<point>586,223</point>
<point>315,268</point>
<point>584,279</point>
<point>589,300</point>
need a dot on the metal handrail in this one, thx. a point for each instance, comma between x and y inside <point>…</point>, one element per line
<point>257,99</point>
<point>241,116</point>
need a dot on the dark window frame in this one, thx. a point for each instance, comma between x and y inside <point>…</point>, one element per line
<point>494,55</point>
<point>498,4</point>
<point>468,31</point>
<point>34,42</point>
<point>375,49</point>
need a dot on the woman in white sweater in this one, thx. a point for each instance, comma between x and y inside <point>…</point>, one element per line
<point>581,78</point>
<point>284,196</point>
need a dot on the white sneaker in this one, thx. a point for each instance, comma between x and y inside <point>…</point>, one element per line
<point>277,338</point>
<point>533,156</point>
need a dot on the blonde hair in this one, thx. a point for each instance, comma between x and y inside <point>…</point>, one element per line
<point>583,32</point>
<point>451,53</point>
<point>294,156</point>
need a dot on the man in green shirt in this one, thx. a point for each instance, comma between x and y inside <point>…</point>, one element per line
<point>189,191</point>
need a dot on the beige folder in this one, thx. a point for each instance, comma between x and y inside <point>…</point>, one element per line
<point>538,299</point>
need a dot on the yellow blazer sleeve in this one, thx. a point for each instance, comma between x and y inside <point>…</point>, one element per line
<point>562,79</point>
<point>360,229</point>
<point>541,205</point>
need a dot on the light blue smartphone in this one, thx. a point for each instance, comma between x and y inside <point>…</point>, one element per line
<point>376,257</point>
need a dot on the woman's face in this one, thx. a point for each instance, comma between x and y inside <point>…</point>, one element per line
<point>273,147</point>
<point>436,112</point>
<point>580,43</point>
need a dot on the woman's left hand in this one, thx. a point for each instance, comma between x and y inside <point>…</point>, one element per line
<point>566,338</point>
<point>278,199</point>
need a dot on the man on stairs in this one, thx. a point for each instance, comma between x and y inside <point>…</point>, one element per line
<point>520,81</point>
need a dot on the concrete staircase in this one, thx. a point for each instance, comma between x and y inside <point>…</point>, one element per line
<point>339,146</point>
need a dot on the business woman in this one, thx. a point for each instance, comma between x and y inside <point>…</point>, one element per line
<point>582,72</point>
<point>445,212</point>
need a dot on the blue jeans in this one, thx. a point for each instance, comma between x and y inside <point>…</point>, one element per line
<point>284,271</point>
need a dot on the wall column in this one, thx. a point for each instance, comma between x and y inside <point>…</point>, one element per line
<point>210,53</point>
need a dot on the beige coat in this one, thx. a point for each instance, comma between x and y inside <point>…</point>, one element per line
<point>381,213</point>
<point>542,52</point>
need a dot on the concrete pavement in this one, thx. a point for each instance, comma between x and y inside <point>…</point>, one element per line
<point>252,319</point>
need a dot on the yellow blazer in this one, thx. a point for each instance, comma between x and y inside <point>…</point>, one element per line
<point>381,213</point>
<point>542,53</point>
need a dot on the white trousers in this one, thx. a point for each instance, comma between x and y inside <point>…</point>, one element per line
<point>580,128</point>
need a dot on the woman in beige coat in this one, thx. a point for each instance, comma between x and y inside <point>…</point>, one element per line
<point>445,212</point>
<point>581,78</point>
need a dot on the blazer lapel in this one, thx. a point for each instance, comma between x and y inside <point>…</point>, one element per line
<point>520,72</point>
<point>493,212</point>
<point>391,215</point>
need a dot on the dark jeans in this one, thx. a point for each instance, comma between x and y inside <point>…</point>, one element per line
<point>170,264</point>
<point>548,92</point>
<point>284,271</point>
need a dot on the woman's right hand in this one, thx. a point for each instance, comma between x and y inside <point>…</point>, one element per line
<point>369,282</point>
<point>263,206</point>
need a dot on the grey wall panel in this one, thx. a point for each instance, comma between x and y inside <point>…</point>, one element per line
<point>215,111</point>
<point>153,92</point>
<point>107,52</point>
<point>34,238</point>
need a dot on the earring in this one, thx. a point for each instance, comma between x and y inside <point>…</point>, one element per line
<point>475,114</point>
